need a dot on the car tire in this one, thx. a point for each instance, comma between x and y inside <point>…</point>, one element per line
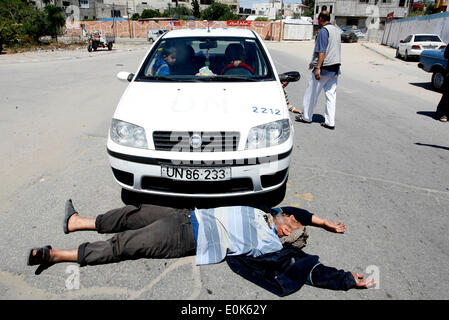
<point>110,46</point>
<point>437,80</point>
<point>406,55</point>
<point>397,53</point>
<point>150,40</point>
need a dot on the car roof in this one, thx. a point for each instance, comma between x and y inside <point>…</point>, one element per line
<point>211,32</point>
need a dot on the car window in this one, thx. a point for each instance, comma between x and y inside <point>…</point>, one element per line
<point>427,38</point>
<point>408,39</point>
<point>206,58</point>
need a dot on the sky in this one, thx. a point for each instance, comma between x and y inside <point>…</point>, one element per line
<point>249,3</point>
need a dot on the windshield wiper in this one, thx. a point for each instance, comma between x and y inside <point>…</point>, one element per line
<point>224,78</point>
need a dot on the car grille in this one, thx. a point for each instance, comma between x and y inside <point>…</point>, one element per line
<point>181,141</point>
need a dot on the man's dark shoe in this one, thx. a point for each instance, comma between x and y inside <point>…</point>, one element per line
<point>69,211</point>
<point>323,124</point>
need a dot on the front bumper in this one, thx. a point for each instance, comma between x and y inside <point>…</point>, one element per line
<point>248,176</point>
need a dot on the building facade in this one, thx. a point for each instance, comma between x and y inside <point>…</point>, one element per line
<point>273,9</point>
<point>362,12</point>
<point>103,9</point>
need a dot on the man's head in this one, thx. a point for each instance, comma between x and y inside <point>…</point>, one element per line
<point>285,224</point>
<point>324,18</point>
<point>290,231</point>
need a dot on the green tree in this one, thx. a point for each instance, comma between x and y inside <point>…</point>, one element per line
<point>149,13</point>
<point>219,11</point>
<point>18,20</point>
<point>55,19</point>
<point>261,19</point>
<point>196,9</point>
<point>135,16</point>
<point>309,12</point>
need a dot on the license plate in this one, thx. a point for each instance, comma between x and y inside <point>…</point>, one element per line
<point>196,174</point>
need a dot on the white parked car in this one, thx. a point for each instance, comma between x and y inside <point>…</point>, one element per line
<point>204,116</point>
<point>153,34</point>
<point>414,44</point>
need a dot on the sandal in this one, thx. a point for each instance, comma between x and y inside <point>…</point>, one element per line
<point>323,124</point>
<point>443,119</point>
<point>41,258</point>
<point>294,110</point>
<point>69,211</point>
<point>300,119</point>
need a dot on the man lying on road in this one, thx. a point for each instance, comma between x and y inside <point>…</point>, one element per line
<point>150,231</point>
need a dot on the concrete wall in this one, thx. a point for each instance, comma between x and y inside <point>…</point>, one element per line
<point>138,29</point>
<point>399,29</point>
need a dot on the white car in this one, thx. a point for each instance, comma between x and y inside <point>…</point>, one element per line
<point>414,44</point>
<point>208,123</point>
<point>153,34</point>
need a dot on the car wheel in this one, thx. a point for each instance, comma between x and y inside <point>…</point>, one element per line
<point>150,40</point>
<point>406,55</point>
<point>110,46</point>
<point>397,53</point>
<point>437,80</point>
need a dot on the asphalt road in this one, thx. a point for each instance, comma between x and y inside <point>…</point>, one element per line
<point>383,172</point>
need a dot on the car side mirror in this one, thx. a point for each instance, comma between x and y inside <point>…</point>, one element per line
<point>125,76</point>
<point>290,76</point>
<point>402,41</point>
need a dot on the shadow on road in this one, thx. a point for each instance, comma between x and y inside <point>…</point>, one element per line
<point>431,145</point>
<point>257,201</point>
<point>424,85</point>
<point>430,114</point>
<point>318,118</point>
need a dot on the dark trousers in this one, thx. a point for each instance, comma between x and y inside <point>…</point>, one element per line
<point>443,106</point>
<point>141,232</point>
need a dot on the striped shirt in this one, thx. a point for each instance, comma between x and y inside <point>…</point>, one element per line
<point>234,230</point>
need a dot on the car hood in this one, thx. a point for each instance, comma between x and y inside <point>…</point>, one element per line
<point>433,53</point>
<point>201,106</point>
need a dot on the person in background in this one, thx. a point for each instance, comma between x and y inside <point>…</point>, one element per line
<point>325,67</point>
<point>289,104</point>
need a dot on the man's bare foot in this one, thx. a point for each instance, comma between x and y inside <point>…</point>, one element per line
<point>72,223</point>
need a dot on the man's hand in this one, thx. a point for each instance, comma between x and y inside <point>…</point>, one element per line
<point>317,73</point>
<point>337,227</point>
<point>284,84</point>
<point>360,283</point>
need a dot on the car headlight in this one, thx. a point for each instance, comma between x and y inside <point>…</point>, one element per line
<point>128,134</point>
<point>268,135</point>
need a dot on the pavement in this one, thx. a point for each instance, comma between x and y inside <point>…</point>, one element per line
<point>386,51</point>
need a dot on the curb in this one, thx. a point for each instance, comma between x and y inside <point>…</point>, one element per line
<point>378,52</point>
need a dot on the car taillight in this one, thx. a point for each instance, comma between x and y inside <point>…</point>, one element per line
<point>443,46</point>
<point>416,47</point>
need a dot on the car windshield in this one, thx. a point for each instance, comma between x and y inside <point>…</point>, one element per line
<point>206,59</point>
<point>427,38</point>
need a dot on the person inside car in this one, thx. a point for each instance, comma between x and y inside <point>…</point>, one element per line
<point>167,57</point>
<point>235,61</point>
